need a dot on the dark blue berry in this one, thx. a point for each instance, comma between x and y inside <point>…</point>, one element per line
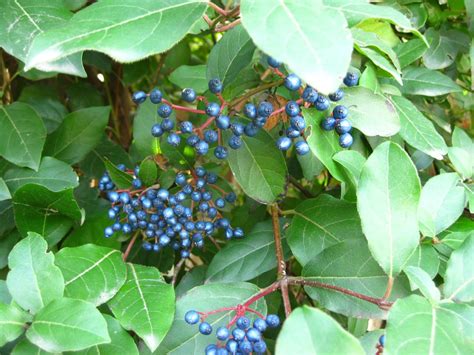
<point>139,97</point>
<point>192,140</point>
<point>232,346</point>
<point>186,127</point>
<point>346,140</point>
<point>210,136</point>
<point>328,124</point>
<point>273,320</point>
<point>237,128</point>
<point>137,183</point>
<point>205,328</point>
<point>215,86</point>
<point>298,123</point>
<point>292,108</point>
<point>336,96</point>
<point>164,110</point>
<point>167,124</point>
<point>253,335</point>
<point>223,122</point>
<point>188,95</point>
<point>250,110</point>
<point>309,95</point>
<point>260,121</point>
<point>283,143</point>
<point>301,148</point>
<point>211,349</point>
<point>147,246</point>
<point>238,334</point>
<point>260,324</point>
<point>156,96</point>
<point>251,130</point>
<point>260,347</point>
<point>382,340</point>
<point>245,347</point>
<point>213,109</point>
<point>242,322</point>
<point>339,112</point>
<point>322,103</point>
<point>201,148</point>
<point>108,231</point>
<point>235,142</point>
<point>265,109</point>
<point>220,202</point>
<point>292,133</point>
<point>221,152</point>
<point>343,126</point>
<point>156,130</point>
<point>273,62</point>
<point>292,82</point>
<point>173,139</point>
<point>113,196</point>
<point>231,197</point>
<point>222,333</point>
<point>351,79</point>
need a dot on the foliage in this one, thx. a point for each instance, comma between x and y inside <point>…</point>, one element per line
<point>325,237</point>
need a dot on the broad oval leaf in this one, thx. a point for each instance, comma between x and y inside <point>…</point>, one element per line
<point>185,339</point>
<point>311,331</point>
<point>13,322</point>
<point>68,325</point>
<point>319,223</point>
<point>372,114</point>
<point>120,178</point>
<point>415,326</point>
<point>425,257</point>
<point>387,200</point>
<point>442,201</point>
<point>22,136</point>
<point>230,55</point>
<point>352,162</point>
<point>459,284</point>
<point>79,133</point>
<point>145,304</point>
<point>417,130</point>
<point>192,76</point>
<point>33,280</point>
<point>53,174</point>
<point>143,142</point>
<point>127,22</point>
<point>426,82</point>
<point>304,35</point>
<point>91,273</point>
<point>24,347</point>
<point>259,167</point>
<point>148,172</point>
<point>350,265</point>
<point>408,52</point>
<point>419,279</point>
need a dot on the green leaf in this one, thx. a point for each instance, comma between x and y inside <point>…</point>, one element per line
<point>184,339</point>
<point>462,161</point>
<point>245,259</point>
<point>25,133</point>
<point>369,80</point>
<point>4,192</point>
<point>119,177</point>
<point>12,322</point>
<point>259,167</point>
<point>5,296</point>
<point>79,133</point>
<point>410,51</point>
<point>33,280</point>
<point>443,50</point>
<point>230,55</point>
<point>310,165</point>
<point>91,273</point>
<point>426,82</point>
<point>6,215</point>
<point>393,235</point>
<point>195,277</point>
<point>288,35</point>
<point>143,141</point>
<point>383,63</point>
<point>21,21</point>
<point>442,201</point>
<point>350,265</point>
<point>459,284</point>
<point>24,347</point>
<point>372,114</point>
<point>323,144</point>
<point>419,279</point>
<point>127,22</point>
<point>319,223</point>
<point>7,242</point>
<point>53,174</point>
<point>190,76</point>
<point>68,325</point>
<point>352,162</point>
<point>415,326</point>
<point>311,331</point>
<point>417,130</point>
<point>426,258</point>
<point>145,304</point>
<point>148,172</point>
<point>48,213</point>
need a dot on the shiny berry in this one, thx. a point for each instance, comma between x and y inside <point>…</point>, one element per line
<point>265,109</point>
<point>223,122</point>
<point>309,95</point>
<point>298,123</point>
<point>351,79</point>
<point>283,143</point>
<point>164,110</point>
<point>238,334</point>
<point>273,320</point>
<point>346,140</point>
<point>292,82</point>
<point>260,347</point>
<point>251,130</point>
<point>188,95</point>
<point>222,333</point>
<point>174,139</point>
<point>339,112</point>
<point>221,152</point>
<point>139,97</point>
<point>322,103</point>
<point>336,96</point>
<point>213,109</point>
<point>343,126</point>
<point>156,96</point>
<point>201,148</point>
<point>205,328</point>
<point>273,62</point>
<point>243,322</point>
<point>253,335</point>
<point>210,136</point>
<point>250,110</point>
<point>260,324</point>
<point>215,86</point>
<point>235,142</point>
<point>302,148</point>
<point>186,127</point>
<point>292,108</point>
<point>328,124</point>
<point>191,317</point>
<point>167,124</point>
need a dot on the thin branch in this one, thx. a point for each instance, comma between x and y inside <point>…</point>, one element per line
<point>129,247</point>
<point>300,187</point>
<point>252,92</point>
<point>228,26</point>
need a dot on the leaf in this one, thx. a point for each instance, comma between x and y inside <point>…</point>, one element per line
<point>6,215</point>
<point>464,161</point>
<point>461,161</point>
<point>48,213</point>
<point>369,80</point>
<point>127,22</point>
<point>79,133</point>
<point>22,135</point>
<point>23,20</point>
<point>417,130</point>
<point>303,35</point>
<point>148,172</point>
<point>119,177</point>
<point>245,259</point>
<point>259,167</point>
<point>53,174</point>
<point>419,279</point>
<point>442,201</point>
<point>230,55</point>
<point>410,51</point>
<point>68,325</point>
<point>319,223</point>
<point>190,76</point>
<point>426,258</point>
<point>442,51</point>
<point>459,284</point>
<point>33,281</point>
<point>416,326</point>
<point>24,347</point>
<point>350,265</point>
<point>310,165</point>
<point>381,62</point>
<point>426,82</point>
<point>145,304</point>
<point>352,162</point>
<point>311,331</point>
<point>7,242</point>
<point>143,141</point>
<point>185,339</point>
<point>91,273</point>
<point>372,114</point>
<point>4,192</point>
<point>387,201</point>
<point>12,322</point>
<point>195,277</point>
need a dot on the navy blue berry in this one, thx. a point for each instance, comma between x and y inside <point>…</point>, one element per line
<point>328,124</point>
<point>343,126</point>
<point>188,95</point>
<point>292,82</point>
<point>351,79</point>
<point>310,95</point>
<point>156,130</point>
<point>156,96</point>
<point>301,147</point>
<point>139,97</point>
<point>215,86</point>
<point>221,152</point>
<point>298,123</point>
<point>250,110</point>
<point>167,124</point>
<point>201,147</point>
<point>273,320</point>
<point>243,322</point>
<point>210,136</point>
<point>346,140</point>
<point>223,122</point>
<point>191,317</point>
<point>273,62</point>
<point>222,333</point>
<point>186,127</point>
<point>339,112</point>
<point>205,328</point>
<point>292,108</point>
<point>260,347</point>
<point>260,324</point>
<point>213,109</point>
<point>174,139</point>
<point>322,103</point>
<point>235,142</point>
<point>336,96</point>
<point>283,143</point>
<point>265,109</point>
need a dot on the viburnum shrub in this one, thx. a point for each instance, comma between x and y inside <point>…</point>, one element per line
<point>236,177</point>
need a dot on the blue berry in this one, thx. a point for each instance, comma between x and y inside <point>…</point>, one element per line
<point>339,112</point>
<point>253,335</point>
<point>273,320</point>
<point>265,109</point>
<point>346,140</point>
<point>221,152</point>
<point>139,97</point>
<point>211,349</point>
<point>126,228</point>
<point>336,96</point>
<point>188,95</point>
<point>112,213</point>
<point>232,346</point>
<point>174,139</point>
<point>215,86</point>
<point>273,62</point>
<point>242,322</point>
<point>292,108</point>
<point>108,231</point>
<point>235,142</point>
<point>250,110</point>
<point>292,82</point>
<point>382,340</point>
<point>213,109</point>
<point>220,202</point>
<point>343,126</point>
<point>124,197</point>
<point>231,197</point>
<point>186,127</point>
<point>156,96</point>
<point>298,123</point>
<point>328,124</point>
<point>222,333</point>
<point>245,347</point>
<point>260,121</point>
<point>351,79</point>
<point>156,130</point>
<point>205,328</point>
<point>113,196</point>
<point>137,183</point>
<point>223,122</point>
<point>238,334</point>
<point>283,143</point>
<point>210,136</point>
<point>201,148</point>
<point>302,148</point>
<point>192,140</point>
<point>292,133</point>
<point>200,171</point>
<point>147,246</point>
<point>322,103</point>
<point>260,324</point>
<point>164,110</point>
<point>260,347</point>
<point>167,124</point>
<point>251,130</point>
<point>310,95</point>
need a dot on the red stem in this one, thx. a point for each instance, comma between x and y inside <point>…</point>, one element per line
<point>129,247</point>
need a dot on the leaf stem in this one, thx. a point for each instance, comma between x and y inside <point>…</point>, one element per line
<point>130,245</point>
<point>252,92</point>
<point>388,291</point>
<point>300,187</point>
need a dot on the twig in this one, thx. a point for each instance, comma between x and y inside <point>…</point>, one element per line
<point>300,187</point>
<point>177,269</point>
<point>228,26</point>
<point>129,247</point>
<point>252,92</point>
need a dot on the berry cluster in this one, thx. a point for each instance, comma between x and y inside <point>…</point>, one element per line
<point>181,219</point>
<point>242,339</point>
